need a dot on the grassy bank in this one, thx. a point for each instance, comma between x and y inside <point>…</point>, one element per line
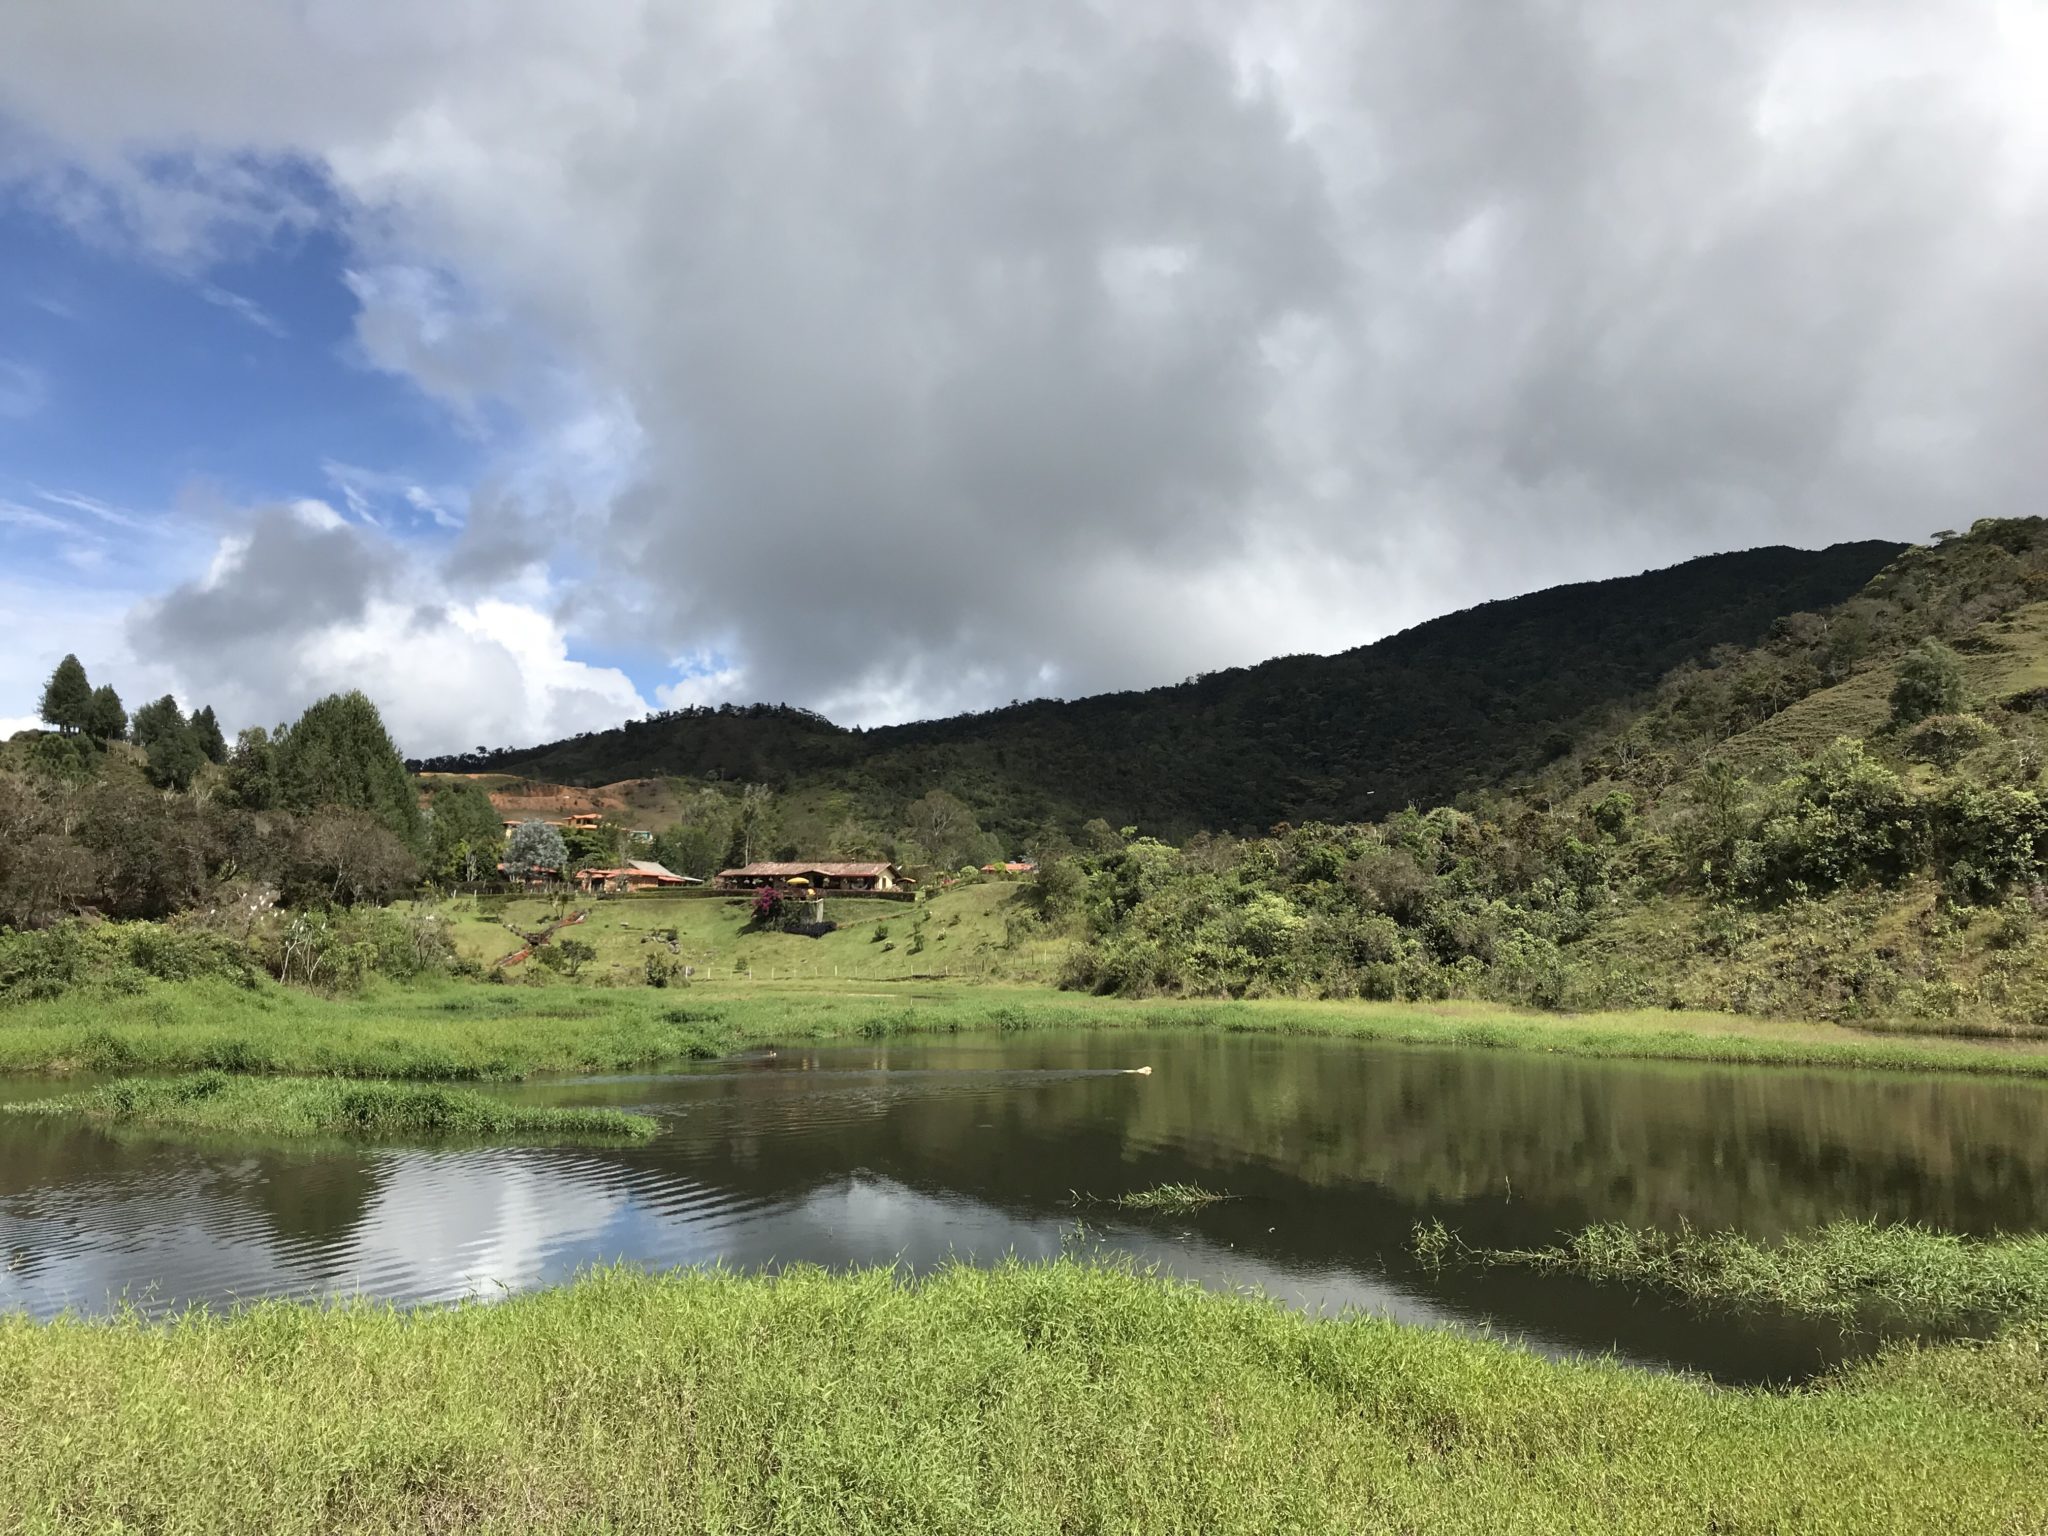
<point>466,1030</point>
<point>1930,1280</point>
<point>1056,1398</point>
<point>214,1102</point>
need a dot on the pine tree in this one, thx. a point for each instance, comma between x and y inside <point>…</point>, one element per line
<point>155,720</point>
<point>339,754</point>
<point>206,733</point>
<point>251,778</point>
<point>67,697</point>
<point>106,720</point>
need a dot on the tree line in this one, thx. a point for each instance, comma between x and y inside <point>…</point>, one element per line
<point>173,747</point>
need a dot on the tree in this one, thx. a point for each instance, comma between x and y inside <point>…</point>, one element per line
<point>251,779</point>
<point>464,831</point>
<point>343,857</point>
<point>753,824</point>
<point>175,759</point>
<point>67,697</point>
<point>598,847</point>
<point>697,843</point>
<point>339,754</point>
<point>106,720</point>
<point>1930,683</point>
<point>535,846</point>
<point>944,827</point>
<point>155,720</point>
<point>207,736</point>
<point>568,956</point>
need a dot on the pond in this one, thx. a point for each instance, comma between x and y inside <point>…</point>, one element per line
<point>975,1147</point>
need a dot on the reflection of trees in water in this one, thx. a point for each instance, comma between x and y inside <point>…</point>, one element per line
<point>1764,1150</point>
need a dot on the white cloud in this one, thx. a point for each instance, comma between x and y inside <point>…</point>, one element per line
<point>300,602</point>
<point>915,355</point>
<point>244,307</point>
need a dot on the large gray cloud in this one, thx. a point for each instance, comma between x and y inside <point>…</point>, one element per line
<point>907,355</point>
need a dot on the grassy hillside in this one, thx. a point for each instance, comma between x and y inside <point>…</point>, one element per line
<point>1777,830</point>
<point>1456,704</point>
<point>972,932</point>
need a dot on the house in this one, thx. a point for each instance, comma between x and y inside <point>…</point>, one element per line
<point>1011,867</point>
<point>634,875</point>
<point>819,875</point>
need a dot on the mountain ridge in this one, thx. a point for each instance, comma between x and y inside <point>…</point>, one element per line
<point>1460,702</point>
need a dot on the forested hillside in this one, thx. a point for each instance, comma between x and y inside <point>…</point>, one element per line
<point>1847,821</point>
<point>1456,704</point>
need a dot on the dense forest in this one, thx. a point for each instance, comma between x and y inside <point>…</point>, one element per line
<point>1461,703</point>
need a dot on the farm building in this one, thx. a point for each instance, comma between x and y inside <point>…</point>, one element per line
<point>817,874</point>
<point>633,875</point>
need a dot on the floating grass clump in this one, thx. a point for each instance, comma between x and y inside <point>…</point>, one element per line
<point>1062,1397</point>
<point>1847,1270</point>
<point>296,1107</point>
<point>1175,1199</point>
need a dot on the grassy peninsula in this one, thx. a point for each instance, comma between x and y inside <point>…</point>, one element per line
<point>1060,1397</point>
<point>222,1104</point>
<point>1847,1269</point>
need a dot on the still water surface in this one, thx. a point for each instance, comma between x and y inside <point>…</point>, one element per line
<point>912,1152</point>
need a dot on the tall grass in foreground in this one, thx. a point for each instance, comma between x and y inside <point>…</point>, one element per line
<point>461,1030</point>
<point>215,1102</point>
<point>1025,1398</point>
<point>1846,1270</point>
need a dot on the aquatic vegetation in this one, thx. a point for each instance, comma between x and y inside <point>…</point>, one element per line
<point>1846,1270</point>
<point>216,1102</point>
<point>1177,1199</point>
<point>1023,1398</point>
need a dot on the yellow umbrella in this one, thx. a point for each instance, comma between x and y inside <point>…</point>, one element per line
<point>798,880</point>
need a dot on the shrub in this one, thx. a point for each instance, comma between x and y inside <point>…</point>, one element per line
<point>338,949</point>
<point>567,956</point>
<point>1930,682</point>
<point>114,958</point>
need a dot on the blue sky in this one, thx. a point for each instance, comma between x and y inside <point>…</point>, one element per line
<point>146,404</point>
<point>157,393</point>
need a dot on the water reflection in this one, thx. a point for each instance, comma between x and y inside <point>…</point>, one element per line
<point>914,1152</point>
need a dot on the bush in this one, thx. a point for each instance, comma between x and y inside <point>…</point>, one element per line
<point>115,958</point>
<point>1930,682</point>
<point>338,949</point>
<point>1945,740</point>
<point>567,956</point>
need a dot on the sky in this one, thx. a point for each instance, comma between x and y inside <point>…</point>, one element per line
<point>532,366</point>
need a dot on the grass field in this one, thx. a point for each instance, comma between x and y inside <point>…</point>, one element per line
<point>1053,1398</point>
<point>965,933</point>
<point>218,1103</point>
<point>468,1031</point>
